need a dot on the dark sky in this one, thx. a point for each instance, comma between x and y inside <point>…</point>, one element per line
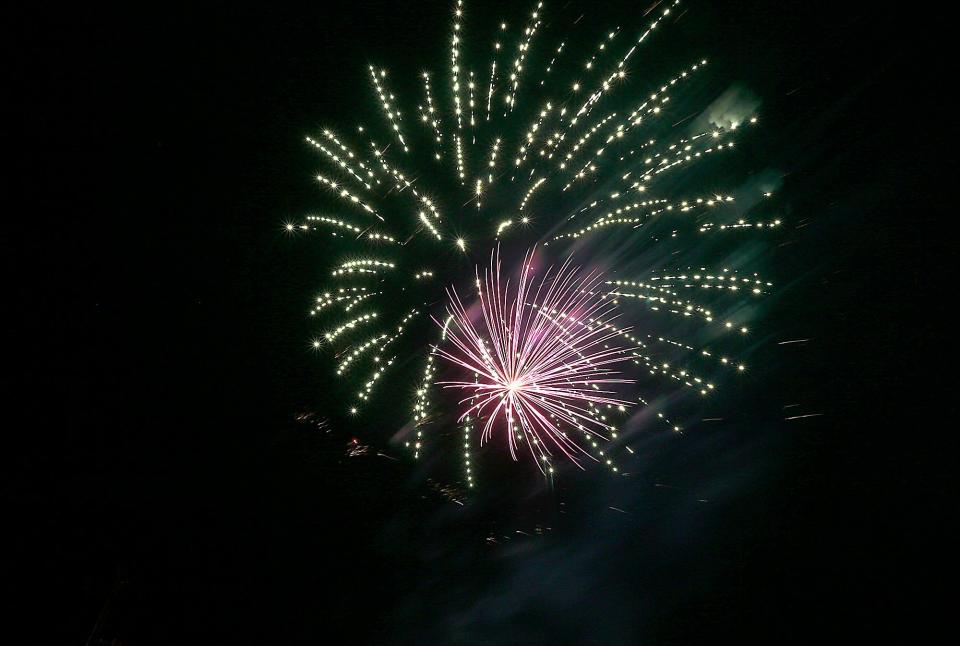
<point>159,488</point>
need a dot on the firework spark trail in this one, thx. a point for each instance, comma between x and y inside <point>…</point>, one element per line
<point>545,368</point>
<point>555,157</point>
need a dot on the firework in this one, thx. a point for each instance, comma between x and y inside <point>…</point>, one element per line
<point>541,360</point>
<point>532,146</point>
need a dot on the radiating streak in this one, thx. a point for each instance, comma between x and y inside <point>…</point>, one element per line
<point>455,63</point>
<point>386,102</point>
<point>522,48</point>
<point>347,196</point>
<point>431,117</point>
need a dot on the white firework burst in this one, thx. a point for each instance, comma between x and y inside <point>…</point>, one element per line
<point>506,149</point>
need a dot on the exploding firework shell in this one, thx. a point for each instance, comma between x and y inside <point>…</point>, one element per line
<point>587,151</point>
<point>541,368</point>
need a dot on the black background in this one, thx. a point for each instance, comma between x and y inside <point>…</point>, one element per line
<point>158,489</point>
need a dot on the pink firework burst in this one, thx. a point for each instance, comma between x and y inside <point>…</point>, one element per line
<point>541,358</point>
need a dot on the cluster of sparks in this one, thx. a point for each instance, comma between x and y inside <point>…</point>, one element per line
<point>537,368</point>
<point>496,142</point>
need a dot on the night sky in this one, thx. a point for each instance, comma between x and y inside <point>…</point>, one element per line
<point>176,468</point>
